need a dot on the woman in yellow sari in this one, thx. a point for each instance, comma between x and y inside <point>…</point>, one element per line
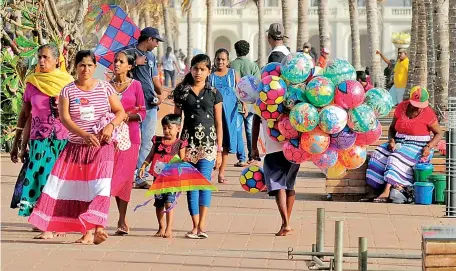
<point>47,135</point>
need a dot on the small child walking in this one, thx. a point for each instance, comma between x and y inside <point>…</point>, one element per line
<point>164,149</point>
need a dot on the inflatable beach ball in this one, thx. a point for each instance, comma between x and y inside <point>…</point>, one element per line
<point>272,68</point>
<point>272,90</point>
<point>247,89</point>
<point>296,67</point>
<point>320,91</point>
<point>286,128</point>
<point>274,132</point>
<point>326,159</point>
<point>304,117</point>
<point>349,94</point>
<point>362,119</point>
<point>335,172</point>
<point>369,137</point>
<point>340,70</point>
<point>268,111</point>
<point>344,139</point>
<point>315,141</point>
<point>294,95</point>
<point>333,119</point>
<point>353,157</point>
<point>252,179</point>
<point>380,100</point>
<point>294,153</point>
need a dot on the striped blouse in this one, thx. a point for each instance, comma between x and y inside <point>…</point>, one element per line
<point>87,107</point>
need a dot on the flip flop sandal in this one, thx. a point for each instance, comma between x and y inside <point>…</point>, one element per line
<point>223,180</point>
<point>142,185</point>
<point>191,235</point>
<point>203,235</point>
<point>121,231</point>
<point>240,164</point>
<point>381,200</point>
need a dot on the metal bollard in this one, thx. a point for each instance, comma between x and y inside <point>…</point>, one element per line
<point>339,247</point>
<point>362,254</point>
<point>320,242</point>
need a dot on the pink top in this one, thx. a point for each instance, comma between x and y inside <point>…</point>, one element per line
<point>132,99</point>
<point>42,122</point>
<point>87,107</point>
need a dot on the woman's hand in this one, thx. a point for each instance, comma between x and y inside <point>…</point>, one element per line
<point>106,134</point>
<point>127,118</point>
<point>392,145</point>
<point>14,152</point>
<point>218,161</point>
<point>426,151</point>
<point>91,140</point>
<point>23,153</point>
<point>255,153</point>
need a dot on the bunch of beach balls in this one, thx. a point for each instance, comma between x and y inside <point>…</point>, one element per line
<point>320,115</point>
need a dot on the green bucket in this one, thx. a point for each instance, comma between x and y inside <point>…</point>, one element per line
<point>439,181</point>
<point>422,171</point>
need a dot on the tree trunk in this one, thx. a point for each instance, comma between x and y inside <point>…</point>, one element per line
<point>323,25</point>
<point>147,20</point>
<point>441,30</point>
<point>354,26</point>
<point>374,44</point>
<point>412,48</point>
<point>261,34</point>
<point>303,23</point>
<point>452,18</point>
<point>189,37</point>
<point>209,43</point>
<point>166,24</point>
<point>286,20</point>
<point>421,47</point>
<point>431,49</point>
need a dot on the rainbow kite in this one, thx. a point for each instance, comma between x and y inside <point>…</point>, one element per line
<point>179,176</point>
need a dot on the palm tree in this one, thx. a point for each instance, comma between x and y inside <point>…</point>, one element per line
<point>431,49</point>
<point>452,17</point>
<point>323,24</point>
<point>421,46</point>
<point>189,36</point>
<point>166,23</point>
<point>261,33</point>
<point>356,44</point>
<point>286,20</point>
<point>412,48</point>
<point>374,44</point>
<point>441,30</point>
<point>303,23</point>
<point>209,45</point>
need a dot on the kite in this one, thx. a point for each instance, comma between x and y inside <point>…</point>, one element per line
<point>120,34</point>
<point>179,176</point>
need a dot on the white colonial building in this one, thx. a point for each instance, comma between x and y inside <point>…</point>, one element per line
<point>231,24</point>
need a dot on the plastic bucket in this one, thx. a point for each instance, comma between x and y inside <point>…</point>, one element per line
<point>423,193</point>
<point>439,182</point>
<point>422,171</point>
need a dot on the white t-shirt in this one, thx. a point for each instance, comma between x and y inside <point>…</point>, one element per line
<point>270,145</point>
<point>168,62</point>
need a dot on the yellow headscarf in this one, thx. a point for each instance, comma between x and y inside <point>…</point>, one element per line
<point>50,83</point>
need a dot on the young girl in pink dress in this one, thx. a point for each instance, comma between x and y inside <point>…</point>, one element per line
<point>131,96</point>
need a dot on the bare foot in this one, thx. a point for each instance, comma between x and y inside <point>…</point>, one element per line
<point>99,237</point>
<point>45,235</point>
<point>168,234</point>
<point>85,239</point>
<point>160,233</point>
<point>284,231</point>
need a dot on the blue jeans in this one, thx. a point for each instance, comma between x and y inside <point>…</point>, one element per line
<point>148,126</point>
<point>248,125</point>
<point>197,198</point>
<point>240,151</point>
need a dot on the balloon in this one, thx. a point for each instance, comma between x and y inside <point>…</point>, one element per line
<point>370,137</point>
<point>273,131</point>
<point>315,141</point>
<point>272,68</point>
<point>340,70</point>
<point>353,157</point>
<point>380,100</point>
<point>295,154</point>
<point>294,95</point>
<point>320,91</point>
<point>304,117</point>
<point>286,128</point>
<point>296,67</point>
<point>344,139</point>
<point>333,119</point>
<point>349,94</point>
<point>247,89</point>
<point>326,159</point>
<point>272,90</point>
<point>268,112</point>
<point>338,171</point>
<point>362,119</point>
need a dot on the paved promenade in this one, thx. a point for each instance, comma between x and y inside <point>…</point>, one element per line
<point>241,231</point>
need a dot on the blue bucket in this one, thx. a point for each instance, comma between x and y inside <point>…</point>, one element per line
<point>423,193</point>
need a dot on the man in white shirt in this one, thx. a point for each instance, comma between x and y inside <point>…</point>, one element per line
<point>279,173</point>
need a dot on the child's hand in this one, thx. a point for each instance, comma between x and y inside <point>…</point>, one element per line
<point>142,170</point>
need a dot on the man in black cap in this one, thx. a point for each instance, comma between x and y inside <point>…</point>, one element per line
<point>307,49</point>
<point>145,71</point>
<point>276,34</point>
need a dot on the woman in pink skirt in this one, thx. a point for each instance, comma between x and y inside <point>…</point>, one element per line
<point>131,96</point>
<point>76,197</point>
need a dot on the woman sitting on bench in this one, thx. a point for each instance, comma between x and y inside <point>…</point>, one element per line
<point>409,142</point>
